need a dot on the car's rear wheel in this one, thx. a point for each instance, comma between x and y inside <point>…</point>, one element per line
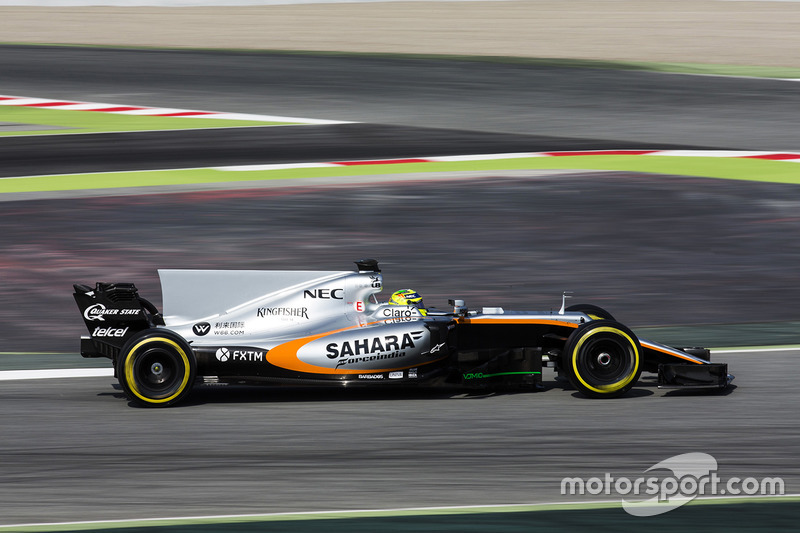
<point>602,359</point>
<point>156,368</point>
<point>595,312</point>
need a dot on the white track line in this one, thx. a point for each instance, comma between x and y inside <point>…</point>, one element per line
<point>117,109</point>
<point>759,350</point>
<point>56,373</point>
<point>387,512</point>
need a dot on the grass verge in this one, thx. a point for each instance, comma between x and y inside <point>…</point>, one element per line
<point>709,167</point>
<point>56,121</point>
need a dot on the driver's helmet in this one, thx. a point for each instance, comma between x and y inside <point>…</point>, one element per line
<point>408,297</point>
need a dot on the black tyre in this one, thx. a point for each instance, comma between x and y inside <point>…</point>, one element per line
<point>597,313</point>
<point>602,359</point>
<point>156,368</point>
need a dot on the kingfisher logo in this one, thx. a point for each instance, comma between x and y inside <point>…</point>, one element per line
<point>292,312</point>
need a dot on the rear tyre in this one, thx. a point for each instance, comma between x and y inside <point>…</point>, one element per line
<point>602,359</point>
<point>595,312</point>
<point>156,368</point>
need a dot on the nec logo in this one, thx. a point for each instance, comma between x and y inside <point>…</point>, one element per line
<point>325,294</point>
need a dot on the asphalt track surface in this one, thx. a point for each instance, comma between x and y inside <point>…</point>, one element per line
<point>660,250</point>
<point>261,145</point>
<point>250,450</point>
<point>627,107</point>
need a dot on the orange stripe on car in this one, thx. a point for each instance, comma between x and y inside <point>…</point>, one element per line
<point>517,321</point>
<point>285,356</point>
<point>673,354</point>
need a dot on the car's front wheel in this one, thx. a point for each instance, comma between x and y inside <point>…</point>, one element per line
<point>156,368</point>
<point>602,359</point>
<point>594,312</point>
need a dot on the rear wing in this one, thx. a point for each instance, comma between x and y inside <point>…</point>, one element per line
<point>112,313</point>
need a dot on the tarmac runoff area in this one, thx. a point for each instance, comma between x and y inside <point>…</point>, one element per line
<point>706,31</point>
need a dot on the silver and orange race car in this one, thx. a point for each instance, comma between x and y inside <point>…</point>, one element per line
<point>328,327</point>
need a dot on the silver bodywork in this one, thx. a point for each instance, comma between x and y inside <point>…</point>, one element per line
<point>335,312</point>
<point>306,321</point>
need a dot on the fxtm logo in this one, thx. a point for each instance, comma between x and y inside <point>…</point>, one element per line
<point>224,354</point>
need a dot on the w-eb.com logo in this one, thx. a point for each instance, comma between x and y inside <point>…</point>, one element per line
<point>201,328</point>
<point>692,475</point>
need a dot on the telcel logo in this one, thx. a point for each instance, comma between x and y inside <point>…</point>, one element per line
<point>109,332</point>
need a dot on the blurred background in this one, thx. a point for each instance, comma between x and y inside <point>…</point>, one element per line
<point>678,257</point>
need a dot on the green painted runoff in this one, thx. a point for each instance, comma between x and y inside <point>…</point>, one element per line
<point>55,121</point>
<point>709,167</point>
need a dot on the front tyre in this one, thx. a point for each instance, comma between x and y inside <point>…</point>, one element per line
<point>602,359</point>
<point>594,312</point>
<point>156,368</point>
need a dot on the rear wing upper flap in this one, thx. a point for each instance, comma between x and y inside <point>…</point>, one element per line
<point>115,310</point>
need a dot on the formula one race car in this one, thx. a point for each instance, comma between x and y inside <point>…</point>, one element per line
<point>327,327</point>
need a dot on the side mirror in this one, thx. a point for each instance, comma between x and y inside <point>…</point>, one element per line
<point>459,309</point>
